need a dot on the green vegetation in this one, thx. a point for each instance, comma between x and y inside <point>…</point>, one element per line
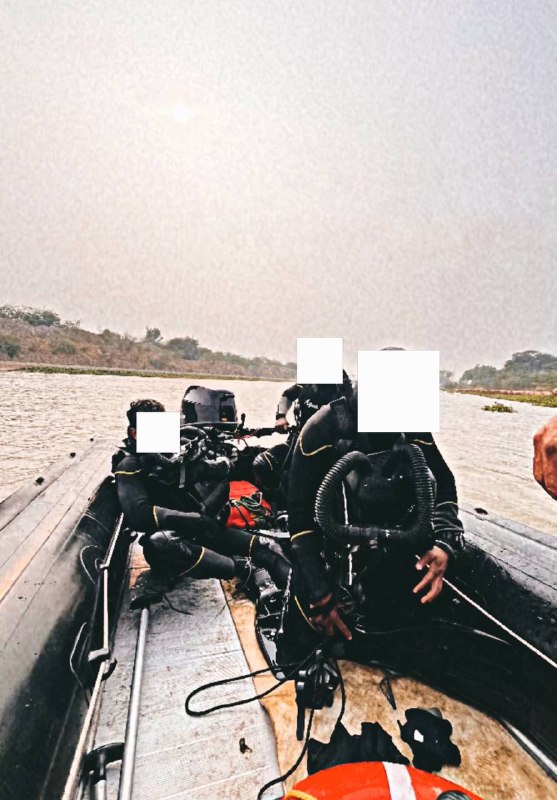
<point>546,400</point>
<point>528,369</point>
<point>9,346</point>
<point>500,408</point>
<point>39,337</point>
<point>187,347</point>
<point>65,347</point>
<point>51,369</point>
<point>33,316</point>
<point>446,379</point>
<point>153,335</point>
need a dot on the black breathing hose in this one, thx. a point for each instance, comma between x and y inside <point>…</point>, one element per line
<point>418,536</point>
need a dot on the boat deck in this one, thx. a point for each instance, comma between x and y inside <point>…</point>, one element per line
<point>232,752</point>
<point>178,756</point>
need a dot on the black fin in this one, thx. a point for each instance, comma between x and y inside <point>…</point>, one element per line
<point>429,737</point>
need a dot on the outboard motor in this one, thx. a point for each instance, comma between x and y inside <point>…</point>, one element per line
<point>208,405</point>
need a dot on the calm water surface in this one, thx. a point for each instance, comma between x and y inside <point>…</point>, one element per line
<point>44,417</point>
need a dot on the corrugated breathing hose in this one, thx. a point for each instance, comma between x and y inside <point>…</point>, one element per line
<point>417,537</point>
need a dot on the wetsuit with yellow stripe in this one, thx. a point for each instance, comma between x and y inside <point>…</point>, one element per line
<point>310,397</point>
<point>186,550</point>
<point>316,452</point>
<point>202,547</point>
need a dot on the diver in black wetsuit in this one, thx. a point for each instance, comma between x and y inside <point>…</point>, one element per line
<point>313,606</point>
<point>176,540</point>
<point>307,398</point>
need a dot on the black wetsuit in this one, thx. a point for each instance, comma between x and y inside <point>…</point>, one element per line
<point>309,397</point>
<point>315,453</point>
<point>206,547</point>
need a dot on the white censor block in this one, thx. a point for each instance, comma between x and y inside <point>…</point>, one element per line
<point>398,390</point>
<point>319,360</point>
<point>158,432</point>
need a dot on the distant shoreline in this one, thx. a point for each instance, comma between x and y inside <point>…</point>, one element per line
<point>10,366</point>
<point>533,397</point>
<point>37,340</point>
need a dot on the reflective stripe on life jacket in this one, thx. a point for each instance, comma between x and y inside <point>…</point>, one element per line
<point>374,781</point>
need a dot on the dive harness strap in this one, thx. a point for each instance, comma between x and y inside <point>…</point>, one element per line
<point>344,424</point>
<point>343,417</point>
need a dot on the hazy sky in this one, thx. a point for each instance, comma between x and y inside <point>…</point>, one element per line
<point>249,172</point>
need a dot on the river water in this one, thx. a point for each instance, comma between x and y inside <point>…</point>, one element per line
<point>44,417</point>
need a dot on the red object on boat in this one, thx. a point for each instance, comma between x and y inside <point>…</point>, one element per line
<point>242,513</point>
<point>376,781</point>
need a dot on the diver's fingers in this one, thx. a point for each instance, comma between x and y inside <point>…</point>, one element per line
<point>333,623</point>
<point>328,627</point>
<point>340,625</point>
<point>435,590</point>
<point>425,581</point>
<point>318,622</point>
<point>424,560</point>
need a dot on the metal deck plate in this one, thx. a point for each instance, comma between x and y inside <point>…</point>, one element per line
<point>178,756</point>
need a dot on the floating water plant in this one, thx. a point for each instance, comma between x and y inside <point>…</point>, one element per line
<point>500,408</point>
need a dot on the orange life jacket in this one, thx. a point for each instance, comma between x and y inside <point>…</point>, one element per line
<point>374,781</point>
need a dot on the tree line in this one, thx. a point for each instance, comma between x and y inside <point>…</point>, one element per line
<point>526,369</point>
<point>67,337</point>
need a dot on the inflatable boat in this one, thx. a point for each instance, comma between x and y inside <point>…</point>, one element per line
<point>92,693</point>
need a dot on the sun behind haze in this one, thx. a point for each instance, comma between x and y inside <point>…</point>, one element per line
<point>250,172</point>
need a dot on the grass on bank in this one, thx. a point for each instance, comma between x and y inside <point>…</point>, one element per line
<point>546,400</point>
<point>131,373</point>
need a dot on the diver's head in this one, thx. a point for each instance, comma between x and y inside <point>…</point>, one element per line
<point>352,395</point>
<point>135,407</point>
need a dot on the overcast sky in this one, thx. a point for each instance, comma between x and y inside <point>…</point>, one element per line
<point>249,172</point>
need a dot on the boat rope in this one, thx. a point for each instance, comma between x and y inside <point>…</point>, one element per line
<point>71,660</point>
<point>295,765</point>
<point>82,551</point>
<point>289,676</point>
<point>307,736</point>
<point>501,625</point>
<point>175,608</point>
<point>92,517</point>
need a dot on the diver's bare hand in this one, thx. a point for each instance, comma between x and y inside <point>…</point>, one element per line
<point>545,457</point>
<point>436,561</point>
<point>330,620</point>
<point>281,425</point>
